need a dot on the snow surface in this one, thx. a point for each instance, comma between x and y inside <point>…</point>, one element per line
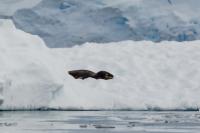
<point>147,75</point>
<point>64,23</point>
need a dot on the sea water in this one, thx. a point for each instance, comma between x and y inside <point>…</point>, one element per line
<point>99,122</point>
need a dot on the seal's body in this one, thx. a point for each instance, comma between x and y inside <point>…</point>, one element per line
<point>83,74</point>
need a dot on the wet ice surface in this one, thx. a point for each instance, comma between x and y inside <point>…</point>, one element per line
<point>99,122</point>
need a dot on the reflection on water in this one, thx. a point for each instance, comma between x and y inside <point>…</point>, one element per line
<point>99,122</point>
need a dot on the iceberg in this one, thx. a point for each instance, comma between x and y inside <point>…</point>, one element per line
<point>65,23</point>
<point>147,75</point>
<point>71,22</point>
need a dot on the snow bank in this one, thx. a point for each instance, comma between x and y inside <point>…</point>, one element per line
<point>147,75</point>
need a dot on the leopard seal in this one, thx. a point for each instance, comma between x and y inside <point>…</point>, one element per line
<point>83,74</point>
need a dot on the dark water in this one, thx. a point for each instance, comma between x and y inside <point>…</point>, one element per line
<point>99,122</point>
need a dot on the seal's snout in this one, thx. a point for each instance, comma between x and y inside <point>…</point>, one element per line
<point>109,77</point>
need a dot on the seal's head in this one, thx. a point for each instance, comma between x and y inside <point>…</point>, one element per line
<point>103,75</point>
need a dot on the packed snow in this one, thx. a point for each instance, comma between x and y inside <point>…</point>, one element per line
<point>65,23</point>
<point>147,75</point>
